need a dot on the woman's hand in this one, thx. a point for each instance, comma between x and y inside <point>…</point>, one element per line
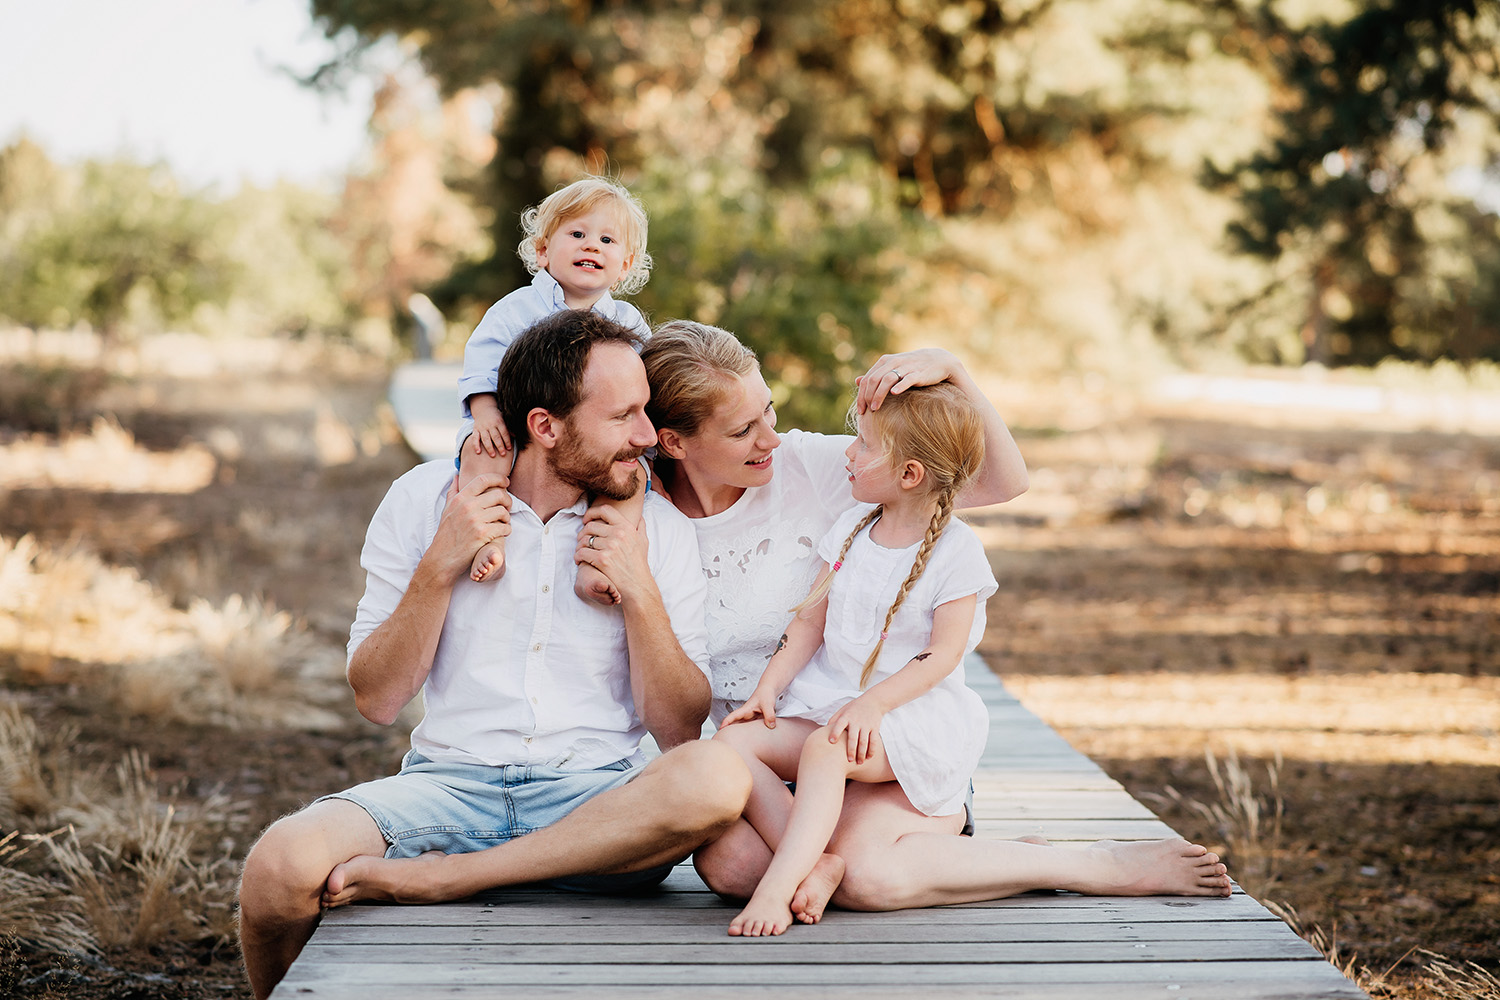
<point>859,724</point>
<point>895,373</point>
<point>761,703</point>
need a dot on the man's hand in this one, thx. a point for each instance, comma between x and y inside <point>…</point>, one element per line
<point>472,516</point>
<point>616,547</point>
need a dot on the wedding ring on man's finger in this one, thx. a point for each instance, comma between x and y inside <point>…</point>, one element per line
<point>591,540</point>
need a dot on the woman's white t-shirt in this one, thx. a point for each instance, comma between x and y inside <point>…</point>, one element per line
<point>935,740</point>
<point>760,557</point>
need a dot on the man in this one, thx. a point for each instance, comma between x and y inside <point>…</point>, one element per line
<point>536,701</point>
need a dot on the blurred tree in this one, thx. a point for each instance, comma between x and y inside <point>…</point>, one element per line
<point>1380,110</point>
<point>114,244</point>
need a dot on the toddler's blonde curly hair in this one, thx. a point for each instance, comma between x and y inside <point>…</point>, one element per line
<point>580,198</point>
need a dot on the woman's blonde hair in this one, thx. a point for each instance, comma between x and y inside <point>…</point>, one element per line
<point>689,367</point>
<point>581,197</point>
<point>939,427</point>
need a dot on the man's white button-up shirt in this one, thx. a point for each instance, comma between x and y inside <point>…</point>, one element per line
<point>526,672</point>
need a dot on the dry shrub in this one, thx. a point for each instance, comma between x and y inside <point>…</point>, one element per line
<point>107,458</point>
<point>242,661</point>
<point>1442,978</point>
<point>40,912</point>
<point>139,878</point>
<point>40,781</point>
<point>1447,979</point>
<point>1250,822</point>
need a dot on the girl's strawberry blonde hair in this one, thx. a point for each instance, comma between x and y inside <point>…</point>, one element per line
<point>939,427</point>
<point>581,197</point>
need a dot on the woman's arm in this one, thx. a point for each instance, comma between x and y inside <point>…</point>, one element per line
<point>1003,475</point>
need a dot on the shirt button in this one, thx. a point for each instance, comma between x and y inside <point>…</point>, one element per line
<point>546,588</point>
<point>537,648</point>
<point>533,701</point>
<point>526,739</point>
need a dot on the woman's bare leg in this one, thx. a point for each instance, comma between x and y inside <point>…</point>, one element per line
<point>898,858</point>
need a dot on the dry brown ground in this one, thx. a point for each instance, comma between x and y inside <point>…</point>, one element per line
<point>1173,582</point>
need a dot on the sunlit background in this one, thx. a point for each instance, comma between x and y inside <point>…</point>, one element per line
<point>1230,269</point>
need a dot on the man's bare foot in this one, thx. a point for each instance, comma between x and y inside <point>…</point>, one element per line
<point>811,897</point>
<point>1161,868</point>
<point>489,562</point>
<point>593,585</point>
<point>394,880</point>
<point>761,917</point>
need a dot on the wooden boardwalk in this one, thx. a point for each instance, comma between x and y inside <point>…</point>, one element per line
<point>547,943</point>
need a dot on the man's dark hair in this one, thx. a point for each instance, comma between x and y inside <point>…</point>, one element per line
<point>543,367</point>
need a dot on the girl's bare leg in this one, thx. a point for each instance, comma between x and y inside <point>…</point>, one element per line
<point>822,770</point>
<point>489,561</point>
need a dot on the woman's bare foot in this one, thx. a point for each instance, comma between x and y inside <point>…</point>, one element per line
<point>811,897</point>
<point>1160,868</point>
<point>489,562</point>
<point>394,880</point>
<point>761,917</point>
<point>1036,839</point>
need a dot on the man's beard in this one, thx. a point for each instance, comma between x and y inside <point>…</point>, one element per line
<point>595,476</point>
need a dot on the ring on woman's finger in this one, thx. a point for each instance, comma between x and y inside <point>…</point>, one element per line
<point>898,375</point>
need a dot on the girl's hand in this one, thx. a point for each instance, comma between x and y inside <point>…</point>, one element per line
<point>761,703</point>
<point>895,373</point>
<point>859,724</point>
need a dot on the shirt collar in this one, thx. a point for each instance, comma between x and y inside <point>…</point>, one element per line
<point>579,508</point>
<point>543,282</point>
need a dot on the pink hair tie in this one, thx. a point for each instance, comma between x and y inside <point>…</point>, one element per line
<point>837,565</point>
<point>884,636</point>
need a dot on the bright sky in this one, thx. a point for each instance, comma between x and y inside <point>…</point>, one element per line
<point>196,83</point>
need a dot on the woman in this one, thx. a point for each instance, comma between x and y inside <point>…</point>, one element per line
<point>760,501</point>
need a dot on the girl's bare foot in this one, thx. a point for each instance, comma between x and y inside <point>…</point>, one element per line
<point>811,897</point>
<point>394,880</point>
<point>1161,868</point>
<point>489,562</point>
<point>761,917</point>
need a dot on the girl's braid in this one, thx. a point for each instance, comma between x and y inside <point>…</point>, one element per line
<point>940,519</point>
<point>821,590</point>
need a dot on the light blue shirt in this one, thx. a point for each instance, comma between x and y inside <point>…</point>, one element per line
<point>506,320</point>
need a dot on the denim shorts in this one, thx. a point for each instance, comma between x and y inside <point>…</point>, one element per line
<point>461,808</point>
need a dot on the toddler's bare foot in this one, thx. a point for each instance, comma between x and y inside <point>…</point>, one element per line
<point>395,880</point>
<point>489,563</point>
<point>593,585</point>
<point>761,917</point>
<point>811,897</point>
<point>1162,868</point>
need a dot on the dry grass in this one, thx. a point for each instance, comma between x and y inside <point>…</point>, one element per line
<point>106,459</point>
<point>1248,820</point>
<point>66,614</point>
<point>41,912</point>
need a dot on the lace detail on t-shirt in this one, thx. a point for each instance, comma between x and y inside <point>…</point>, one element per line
<point>755,577</point>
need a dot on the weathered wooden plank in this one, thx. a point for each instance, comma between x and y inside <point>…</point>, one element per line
<point>1288,976</point>
<point>916,936</point>
<point>1251,986</point>
<point>552,907</point>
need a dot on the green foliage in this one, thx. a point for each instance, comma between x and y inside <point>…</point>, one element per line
<point>122,247</point>
<point>119,244</point>
<point>1353,194</point>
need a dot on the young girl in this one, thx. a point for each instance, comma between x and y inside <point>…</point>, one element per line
<point>582,243</point>
<point>867,683</point>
